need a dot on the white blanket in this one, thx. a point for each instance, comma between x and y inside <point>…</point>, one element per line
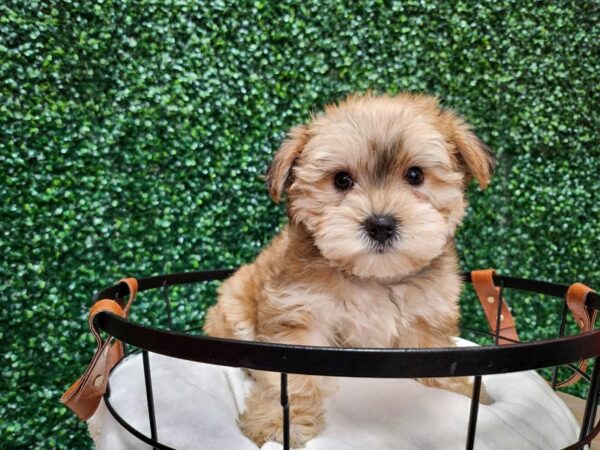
<point>197,406</point>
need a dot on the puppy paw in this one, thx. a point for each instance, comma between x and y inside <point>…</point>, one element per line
<point>263,421</point>
<point>484,397</point>
<point>270,428</point>
<point>259,431</point>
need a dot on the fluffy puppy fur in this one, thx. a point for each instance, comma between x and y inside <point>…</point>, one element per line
<point>375,190</point>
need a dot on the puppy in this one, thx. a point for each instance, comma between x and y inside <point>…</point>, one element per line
<point>375,190</point>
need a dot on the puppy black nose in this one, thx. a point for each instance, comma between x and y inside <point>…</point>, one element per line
<point>381,228</point>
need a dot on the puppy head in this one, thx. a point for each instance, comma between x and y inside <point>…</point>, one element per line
<point>378,181</point>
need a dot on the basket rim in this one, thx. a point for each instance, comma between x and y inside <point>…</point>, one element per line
<point>351,362</point>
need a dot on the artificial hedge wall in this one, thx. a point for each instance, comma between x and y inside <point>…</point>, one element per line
<point>133,136</point>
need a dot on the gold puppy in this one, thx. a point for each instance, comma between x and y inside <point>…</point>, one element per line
<point>375,190</point>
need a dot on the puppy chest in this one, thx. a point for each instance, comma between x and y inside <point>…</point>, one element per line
<point>366,322</point>
<point>355,316</point>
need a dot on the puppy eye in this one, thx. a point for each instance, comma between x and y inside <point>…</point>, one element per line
<point>414,176</point>
<point>343,181</point>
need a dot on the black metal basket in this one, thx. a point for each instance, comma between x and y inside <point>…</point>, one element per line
<point>353,362</point>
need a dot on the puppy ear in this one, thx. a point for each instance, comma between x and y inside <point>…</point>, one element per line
<point>279,173</point>
<point>476,158</point>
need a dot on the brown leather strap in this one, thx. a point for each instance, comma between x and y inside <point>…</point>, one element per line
<point>489,297</point>
<point>584,317</point>
<point>83,397</point>
<point>132,285</point>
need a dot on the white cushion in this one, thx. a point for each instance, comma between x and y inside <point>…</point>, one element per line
<point>197,406</point>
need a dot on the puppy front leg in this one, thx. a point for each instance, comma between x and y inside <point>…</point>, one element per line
<point>263,419</point>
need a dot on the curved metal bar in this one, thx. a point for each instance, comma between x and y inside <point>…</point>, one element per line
<point>575,446</point>
<point>144,284</point>
<point>355,362</point>
<point>142,437</point>
<point>586,440</point>
<point>367,362</point>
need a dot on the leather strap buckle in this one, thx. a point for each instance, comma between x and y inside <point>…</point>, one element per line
<point>584,317</point>
<point>83,397</point>
<point>489,297</point>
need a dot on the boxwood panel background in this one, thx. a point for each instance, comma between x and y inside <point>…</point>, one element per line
<point>133,137</point>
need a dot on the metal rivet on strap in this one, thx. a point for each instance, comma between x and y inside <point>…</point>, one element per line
<point>98,381</point>
<point>490,299</point>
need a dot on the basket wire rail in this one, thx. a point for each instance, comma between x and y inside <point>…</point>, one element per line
<point>357,362</point>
